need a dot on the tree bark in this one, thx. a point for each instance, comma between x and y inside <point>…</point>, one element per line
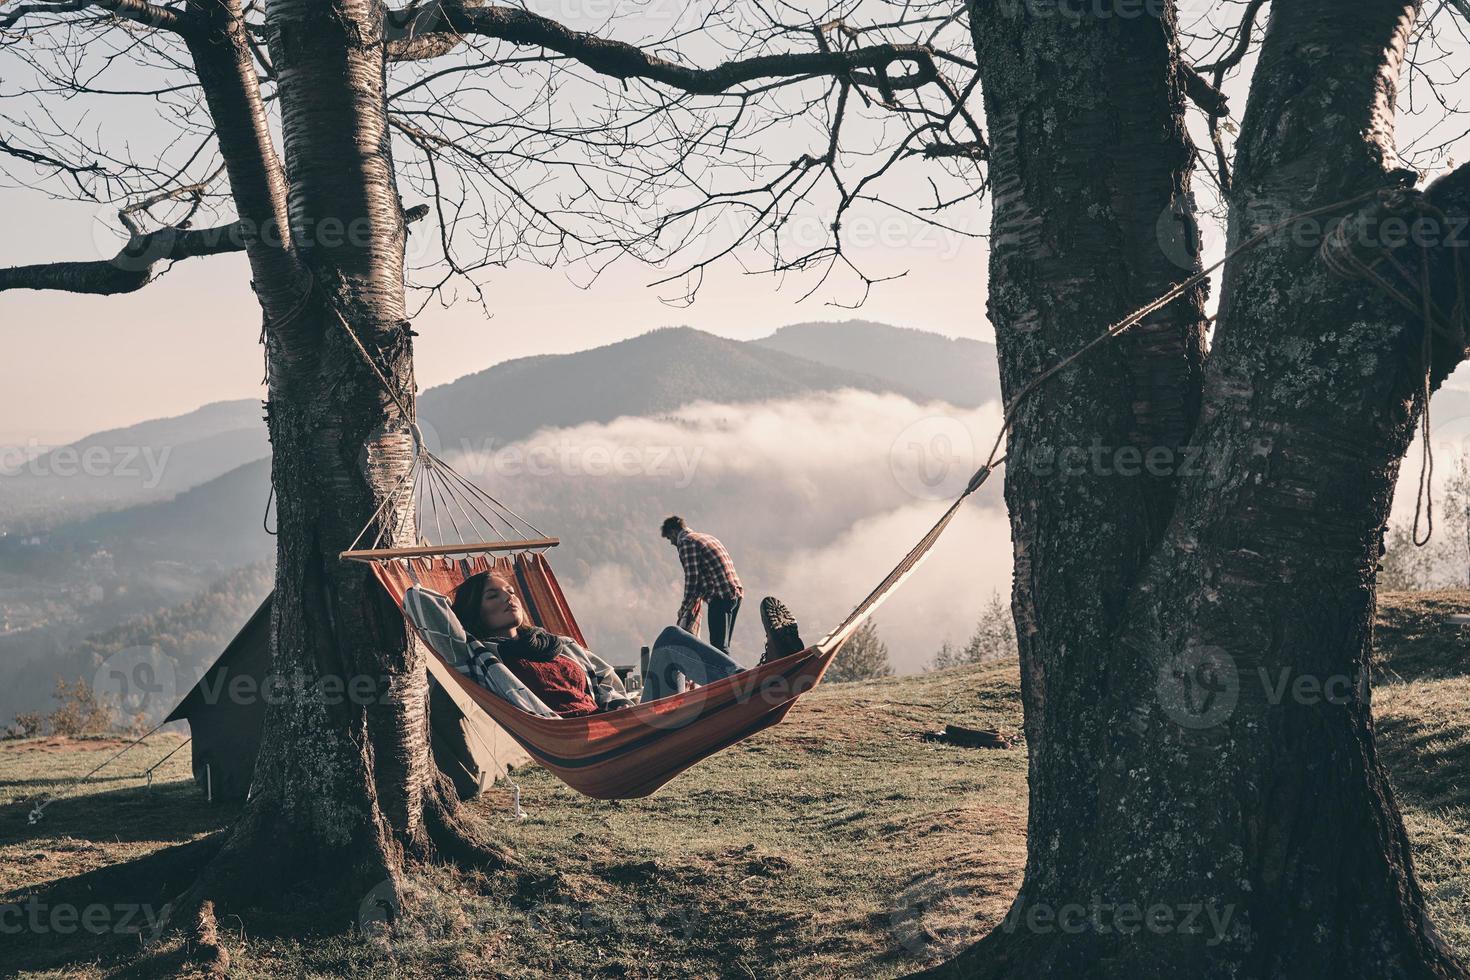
<point>344,786</point>
<point>1205,796</point>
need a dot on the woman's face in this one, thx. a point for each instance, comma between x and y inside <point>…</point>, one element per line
<point>500,609</point>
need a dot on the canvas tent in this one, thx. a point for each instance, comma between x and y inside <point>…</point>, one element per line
<point>468,746</point>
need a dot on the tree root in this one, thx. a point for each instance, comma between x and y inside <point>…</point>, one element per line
<point>1012,951</point>
<point>226,877</point>
<point>454,840</point>
<point>255,865</point>
<point>204,941</point>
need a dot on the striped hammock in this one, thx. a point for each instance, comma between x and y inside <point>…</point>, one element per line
<point>615,755</point>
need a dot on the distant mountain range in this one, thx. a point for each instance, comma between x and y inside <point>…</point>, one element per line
<point>152,460</point>
<point>156,481</point>
<point>952,369</point>
<point>161,519</point>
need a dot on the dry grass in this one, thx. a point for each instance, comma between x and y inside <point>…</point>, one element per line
<point>837,844</point>
<point>1421,709</point>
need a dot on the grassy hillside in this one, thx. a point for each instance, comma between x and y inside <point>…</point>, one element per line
<point>838,844</point>
<point>1421,706</point>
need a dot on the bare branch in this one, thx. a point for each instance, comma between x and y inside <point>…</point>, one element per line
<point>1243,40</point>
<point>621,60</point>
<point>225,65</point>
<point>44,160</point>
<point>132,268</point>
<point>137,11</point>
<point>1203,94</point>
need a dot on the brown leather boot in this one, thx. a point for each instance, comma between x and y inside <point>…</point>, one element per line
<point>782,635</point>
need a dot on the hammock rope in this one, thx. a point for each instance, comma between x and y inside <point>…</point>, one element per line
<point>1340,258</point>
<point>447,489</point>
<point>632,752</point>
<point>440,496</point>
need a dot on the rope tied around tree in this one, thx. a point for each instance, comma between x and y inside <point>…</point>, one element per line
<point>1137,316</point>
<point>1358,259</point>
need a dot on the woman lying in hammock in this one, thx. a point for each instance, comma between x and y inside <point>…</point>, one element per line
<point>559,675</point>
<point>554,675</point>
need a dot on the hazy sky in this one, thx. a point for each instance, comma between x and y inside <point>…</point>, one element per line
<point>82,363</point>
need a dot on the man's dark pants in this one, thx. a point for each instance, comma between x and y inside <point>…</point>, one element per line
<point>722,613</point>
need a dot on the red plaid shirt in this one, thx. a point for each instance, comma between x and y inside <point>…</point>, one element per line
<point>709,573</point>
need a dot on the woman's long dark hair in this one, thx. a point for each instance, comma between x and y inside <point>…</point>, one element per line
<point>468,598</point>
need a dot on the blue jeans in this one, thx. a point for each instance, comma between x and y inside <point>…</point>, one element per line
<point>721,614</point>
<point>679,656</point>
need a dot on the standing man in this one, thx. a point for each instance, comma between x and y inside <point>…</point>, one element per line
<point>709,576</point>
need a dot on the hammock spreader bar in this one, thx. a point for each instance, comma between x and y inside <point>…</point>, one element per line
<point>432,495</point>
<point>431,551</point>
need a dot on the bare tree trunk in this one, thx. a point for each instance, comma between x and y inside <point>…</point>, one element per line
<point>1205,797</point>
<point>344,786</point>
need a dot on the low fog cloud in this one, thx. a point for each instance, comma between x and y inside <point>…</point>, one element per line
<point>816,497</point>
<point>940,602</point>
